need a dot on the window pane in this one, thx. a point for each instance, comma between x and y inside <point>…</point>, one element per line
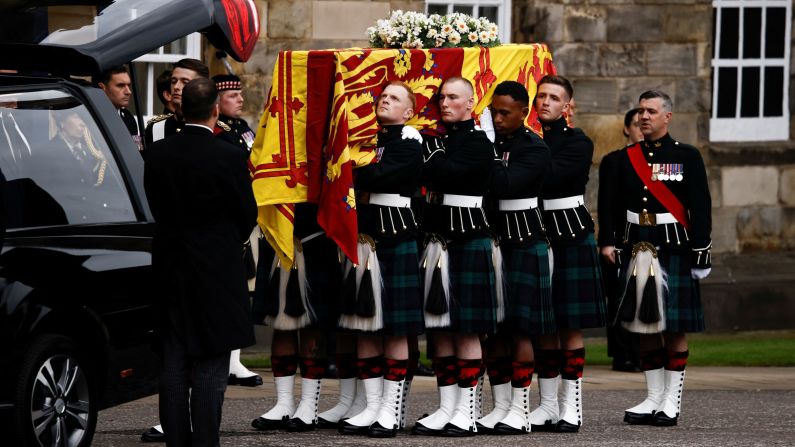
<point>727,92</point>
<point>437,9</point>
<point>59,168</point>
<point>774,91</point>
<point>749,98</point>
<point>774,32</point>
<point>466,9</point>
<point>177,47</point>
<point>729,37</point>
<point>752,33</point>
<point>489,12</point>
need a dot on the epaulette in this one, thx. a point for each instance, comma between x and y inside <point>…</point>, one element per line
<point>223,125</point>
<point>159,118</point>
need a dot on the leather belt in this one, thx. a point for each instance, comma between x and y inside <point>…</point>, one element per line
<point>393,200</point>
<point>519,204</point>
<point>455,200</point>
<point>564,203</point>
<point>650,219</point>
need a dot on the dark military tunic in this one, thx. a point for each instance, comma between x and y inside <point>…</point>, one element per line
<point>396,171</point>
<point>235,131</point>
<point>165,125</point>
<point>460,163</point>
<point>679,249</point>
<point>576,279</point>
<point>524,161</point>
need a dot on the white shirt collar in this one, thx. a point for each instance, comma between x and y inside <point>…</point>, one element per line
<point>199,125</point>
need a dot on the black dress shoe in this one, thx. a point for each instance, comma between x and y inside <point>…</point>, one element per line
<point>505,429</point>
<point>638,418</point>
<point>423,370</point>
<point>565,427</point>
<point>346,428</point>
<point>377,431</point>
<point>453,431</point>
<point>244,381</point>
<point>261,423</point>
<point>625,365</point>
<point>296,425</point>
<point>324,424</point>
<point>153,435</point>
<point>331,372</point>
<point>660,419</point>
<point>422,430</point>
<point>547,427</point>
<point>482,429</point>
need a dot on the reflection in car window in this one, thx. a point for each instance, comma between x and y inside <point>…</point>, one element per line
<point>58,167</point>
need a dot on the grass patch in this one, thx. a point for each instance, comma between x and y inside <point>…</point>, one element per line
<point>767,348</point>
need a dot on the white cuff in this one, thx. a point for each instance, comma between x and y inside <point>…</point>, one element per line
<point>700,273</point>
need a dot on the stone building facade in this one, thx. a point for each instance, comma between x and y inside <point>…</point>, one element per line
<point>612,50</point>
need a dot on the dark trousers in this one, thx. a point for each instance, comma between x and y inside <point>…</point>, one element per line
<point>191,390</point>
<point>622,345</point>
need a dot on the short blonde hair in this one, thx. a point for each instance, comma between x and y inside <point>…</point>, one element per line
<point>412,97</point>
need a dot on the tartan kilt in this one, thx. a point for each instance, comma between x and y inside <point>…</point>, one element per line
<point>577,292</point>
<point>683,310</point>
<point>473,300</point>
<point>324,280</point>
<point>529,309</point>
<point>402,297</point>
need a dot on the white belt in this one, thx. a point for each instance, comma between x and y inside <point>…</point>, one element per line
<point>462,201</point>
<point>394,200</point>
<point>658,219</point>
<point>564,203</point>
<point>519,204</point>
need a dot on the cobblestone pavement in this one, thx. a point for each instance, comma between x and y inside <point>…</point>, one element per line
<point>721,407</point>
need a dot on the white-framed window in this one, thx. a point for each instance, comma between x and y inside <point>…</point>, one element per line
<point>149,66</point>
<point>498,11</point>
<point>750,70</point>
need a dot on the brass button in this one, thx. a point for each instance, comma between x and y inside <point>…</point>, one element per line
<point>645,210</point>
<point>645,199</point>
<point>645,188</point>
<point>651,154</point>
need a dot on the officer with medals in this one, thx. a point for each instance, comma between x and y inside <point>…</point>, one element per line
<point>230,101</point>
<point>161,126</point>
<point>459,275</point>
<point>382,298</point>
<point>516,180</point>
<point>662,185</point>
<point>576,279</point>
<point>622,345</point>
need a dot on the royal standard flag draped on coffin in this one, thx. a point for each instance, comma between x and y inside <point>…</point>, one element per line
<point>319,123</point>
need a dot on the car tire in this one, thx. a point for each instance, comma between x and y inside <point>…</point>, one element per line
<point>55,399</point>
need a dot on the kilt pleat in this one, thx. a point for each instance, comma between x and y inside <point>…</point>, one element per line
<point>683,309</point>
<point>529,309</point>
<point>577,292</point>
<point>473,299</point>
<point>402,297</point>
<point>324,279</point>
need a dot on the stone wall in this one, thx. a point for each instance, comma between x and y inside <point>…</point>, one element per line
<point>613,50</point>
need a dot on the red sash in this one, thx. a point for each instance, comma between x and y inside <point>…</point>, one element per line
<point>657,188</point>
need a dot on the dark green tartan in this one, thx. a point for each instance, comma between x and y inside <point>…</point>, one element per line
<point>683,311</point>
<point>473,302</point>
<point>529,308</point>
<point>577,292</point>
<point>402,296</point>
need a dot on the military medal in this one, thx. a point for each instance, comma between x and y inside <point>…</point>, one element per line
<point>664,169</point>
<point>679,175</point>
<point>654,171</point>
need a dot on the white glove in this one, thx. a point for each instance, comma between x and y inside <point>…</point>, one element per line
<point>410,133</point>
<point>700,273</point>
<point>486,124</point>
